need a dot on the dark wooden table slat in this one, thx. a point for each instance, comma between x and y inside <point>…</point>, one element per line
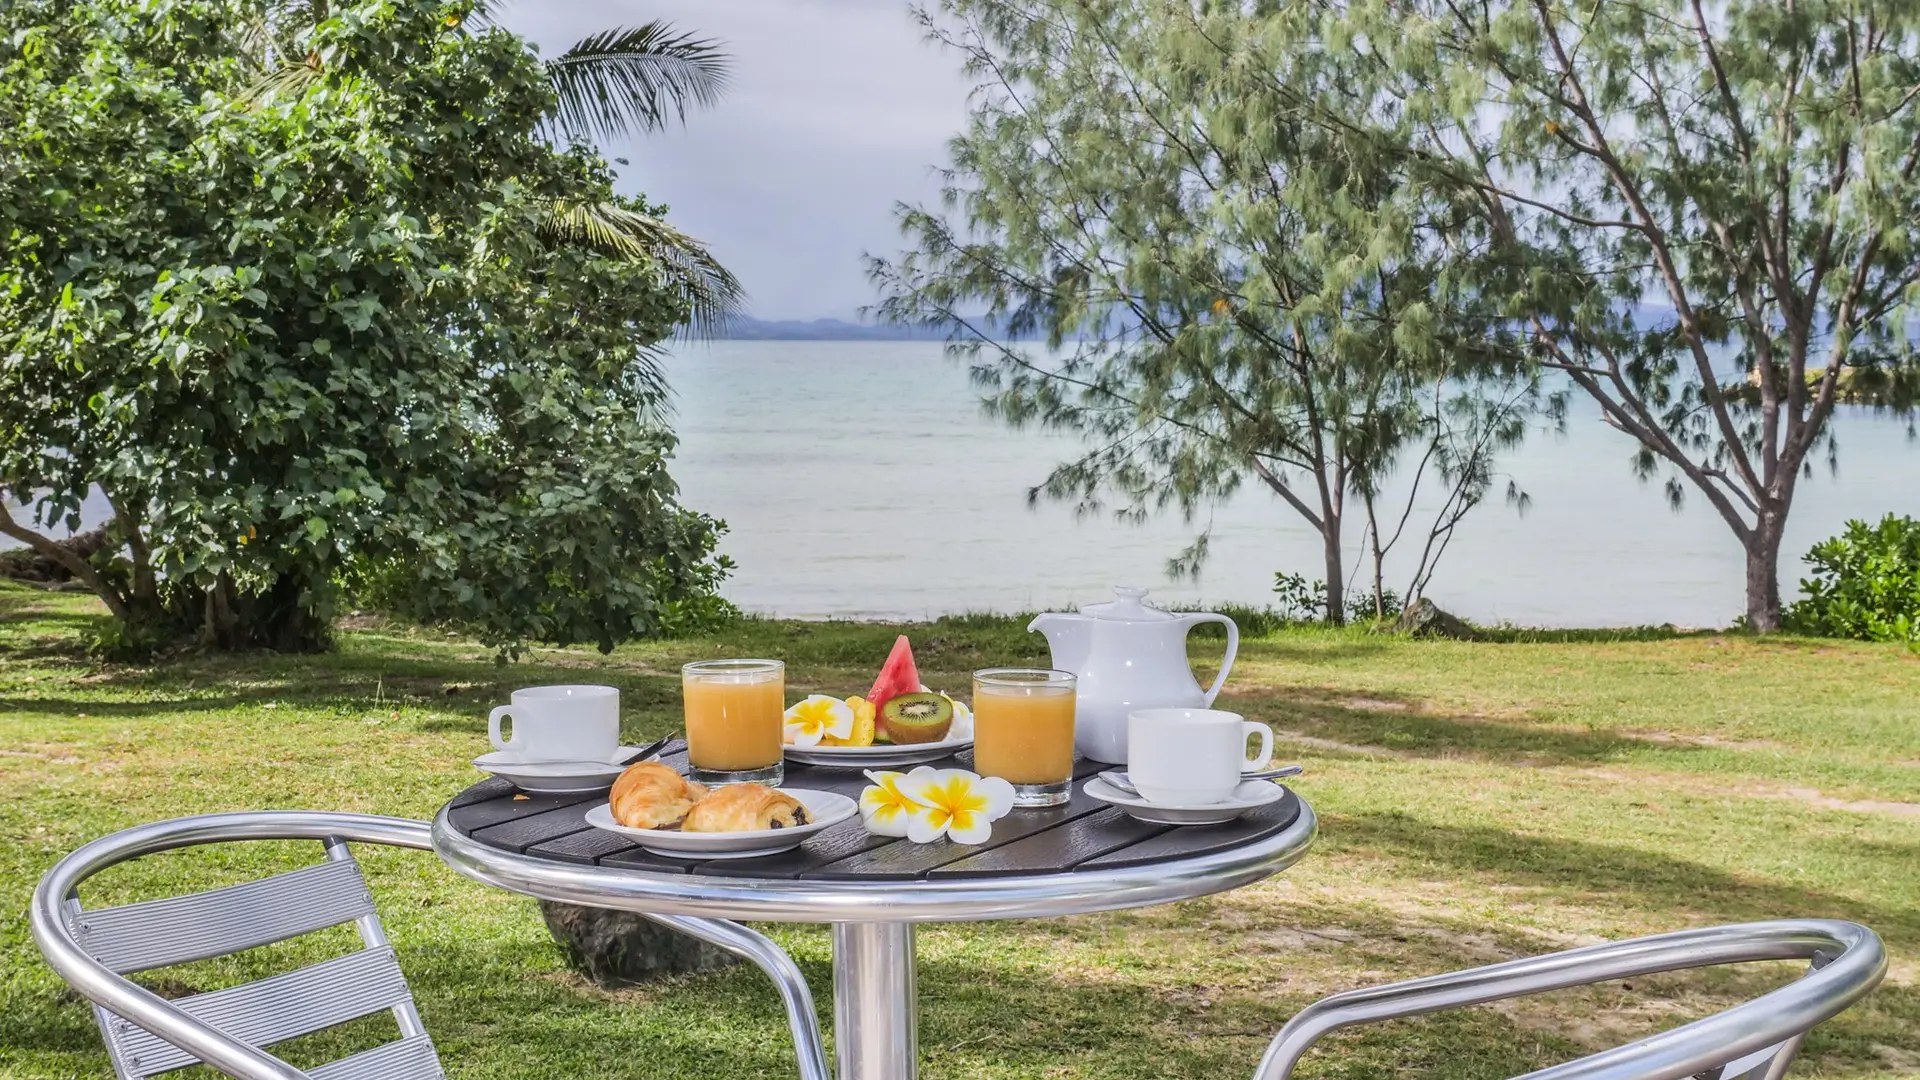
<point>908,861</point>
<point>1187,841</point>
<point>588,846</point>
<point>522,833</point>
<point>1085,834</point>
<point>841,841</point>
<point>1063,848</point>
<point>476,816</point>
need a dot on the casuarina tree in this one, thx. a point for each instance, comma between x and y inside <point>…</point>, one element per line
<point>1702,214</point>
<point>1227,289</point>
<point>296,335</point>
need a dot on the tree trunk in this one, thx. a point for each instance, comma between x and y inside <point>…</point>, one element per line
<point>1336,583</point>
<point>1763,572</point>
<point>619,948</point>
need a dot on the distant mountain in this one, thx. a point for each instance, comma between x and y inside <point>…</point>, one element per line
<point>825,330</point>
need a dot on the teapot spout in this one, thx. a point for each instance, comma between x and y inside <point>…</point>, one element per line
<point>1067,637</point>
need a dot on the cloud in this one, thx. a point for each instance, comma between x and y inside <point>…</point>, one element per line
<point>838,110</point>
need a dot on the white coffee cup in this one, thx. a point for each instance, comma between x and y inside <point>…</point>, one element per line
<point>560,723</point>
<point>1192,757</point>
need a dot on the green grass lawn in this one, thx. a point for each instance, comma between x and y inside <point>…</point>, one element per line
<point>1477,801</point>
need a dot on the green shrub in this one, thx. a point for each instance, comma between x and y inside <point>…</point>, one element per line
<point>1865,584</point>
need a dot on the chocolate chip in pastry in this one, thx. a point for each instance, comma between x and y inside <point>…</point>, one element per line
<point>746,808</point>
<point>652,796</point>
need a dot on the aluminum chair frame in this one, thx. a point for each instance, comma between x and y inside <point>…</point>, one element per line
<point>57,917</point>
<point>1755,1040</point>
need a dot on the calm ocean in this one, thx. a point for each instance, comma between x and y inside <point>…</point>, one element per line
<point>860,480</point>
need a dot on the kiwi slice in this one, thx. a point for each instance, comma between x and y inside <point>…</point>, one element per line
<point>917,718</point>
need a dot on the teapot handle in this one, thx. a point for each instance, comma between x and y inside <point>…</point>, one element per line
<point>1233,649</point>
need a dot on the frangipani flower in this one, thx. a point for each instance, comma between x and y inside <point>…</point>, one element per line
<point>959,804</point>
<point>884,809</point>
<point>815,718</point>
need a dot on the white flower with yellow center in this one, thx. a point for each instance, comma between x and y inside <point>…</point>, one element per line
<point>815,718</point>
<point>884,810</point>
<point>958,804</point>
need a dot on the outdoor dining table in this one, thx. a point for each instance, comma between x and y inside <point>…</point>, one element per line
<point>1081,857</point>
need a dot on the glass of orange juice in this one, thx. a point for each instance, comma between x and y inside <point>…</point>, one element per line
<point>734,720</point>
<point>1023,731</point>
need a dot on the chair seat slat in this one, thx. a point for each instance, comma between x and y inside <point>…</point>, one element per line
<point>178,929</point>
<point>404,1059</point>
<point>274,1009</point>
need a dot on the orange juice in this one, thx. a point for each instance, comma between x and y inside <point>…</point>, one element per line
<point>734,720</point>
<point>1023,734</point>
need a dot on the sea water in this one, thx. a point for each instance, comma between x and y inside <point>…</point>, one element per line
<point>860,480</point>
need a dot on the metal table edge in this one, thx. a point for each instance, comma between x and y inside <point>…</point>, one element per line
<point>809,900</point>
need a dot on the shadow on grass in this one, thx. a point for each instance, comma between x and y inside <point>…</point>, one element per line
<point>1401,724</point>
<point>1622,876</point>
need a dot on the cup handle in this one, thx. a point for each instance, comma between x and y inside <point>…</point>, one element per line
<point>493,728</point>
<point>1265,753</point>
<point>1233,650</point>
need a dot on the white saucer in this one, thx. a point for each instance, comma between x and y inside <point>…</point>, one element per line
<point>879,755</point>
<point>824,807</point>
<point>1250,795</point>
<point>555,777</point>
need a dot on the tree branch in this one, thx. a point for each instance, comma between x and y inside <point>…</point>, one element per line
<point>67,557</point>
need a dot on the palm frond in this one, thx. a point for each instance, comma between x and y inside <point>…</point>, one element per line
<point>714,296</point>
<point>289,77</point>
<point>633,79</point>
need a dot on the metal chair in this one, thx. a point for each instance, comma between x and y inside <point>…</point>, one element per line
<point>228,1029</point>
<point>1755,1040</point>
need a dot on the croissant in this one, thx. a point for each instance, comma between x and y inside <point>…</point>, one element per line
<point>745,808</point>
<point>651,795</point>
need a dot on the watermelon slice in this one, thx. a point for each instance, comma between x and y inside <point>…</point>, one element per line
<point>898,676</point>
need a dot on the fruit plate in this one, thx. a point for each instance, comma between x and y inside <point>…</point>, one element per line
<point>880,755</point>
<point>824,807</point>
<point>1250,795</point>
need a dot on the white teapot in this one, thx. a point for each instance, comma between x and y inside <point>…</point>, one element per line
<point>1128,656</point>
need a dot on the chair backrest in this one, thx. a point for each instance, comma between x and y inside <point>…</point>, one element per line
<point>1755,1040</point>
<point>161,933</point>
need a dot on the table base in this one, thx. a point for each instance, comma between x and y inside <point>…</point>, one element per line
<point>876,1008</point>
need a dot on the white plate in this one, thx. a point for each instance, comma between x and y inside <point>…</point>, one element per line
<point>824,807</point>
<point>1250,795</point>
<point>879,755</point>
<point>555,777</point>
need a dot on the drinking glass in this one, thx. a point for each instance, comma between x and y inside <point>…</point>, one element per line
<point>734,720</point>
<point>1023,731</point>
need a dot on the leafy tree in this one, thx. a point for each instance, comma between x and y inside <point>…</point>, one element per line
<point>1865,584</point>
<point>321,332</point>
<point>1228,288</point>
<point>609,84</point>
<point>1702,214</point>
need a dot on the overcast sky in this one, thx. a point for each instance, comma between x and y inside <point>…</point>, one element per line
<point>838,110</point>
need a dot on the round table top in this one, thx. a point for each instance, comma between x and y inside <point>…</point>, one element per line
<point>1083,856</point>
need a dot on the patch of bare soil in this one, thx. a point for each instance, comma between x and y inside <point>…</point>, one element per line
<point>1314,742</point>
<point>1671,738</point>
<point>1859,806</point>
<point>1367,704</point>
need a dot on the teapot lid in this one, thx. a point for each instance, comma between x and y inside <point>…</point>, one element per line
<point>1129,606</point>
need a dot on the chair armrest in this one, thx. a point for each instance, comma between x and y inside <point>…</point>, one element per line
<point>127,1000</point>
<point>1849,961</point>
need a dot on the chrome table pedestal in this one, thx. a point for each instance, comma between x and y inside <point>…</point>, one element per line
<point>1068,860</point>
<point>876,1001</point>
